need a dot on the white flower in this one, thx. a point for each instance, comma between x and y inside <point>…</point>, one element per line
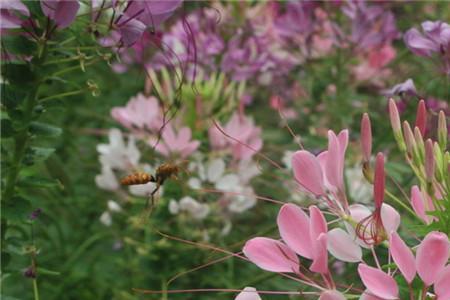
<point>116,154</point>
<point>107,180</point>
<point>242,202</point>
<point>174,208</point>
<point>249,293</point>
<point>114,206</point>
<point>359,189</point>
<point>197,210</point>
<point>144,190</point>
<point>248,169</point>
<point>106,219</point>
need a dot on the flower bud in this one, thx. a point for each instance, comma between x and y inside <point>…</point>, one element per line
<point>442,130</point>
<point>429,160</point>
<point>366,137</point>
<point>421,117</point>
<point>420,145</point>
<point>395,123</point>
<point>409,138</point>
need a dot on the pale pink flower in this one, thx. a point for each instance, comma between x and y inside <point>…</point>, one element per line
<point>11,12</point>
<point>331,295</point>
<point>271,255</point>
<point>248,293</point>
<point>421,203</point>
<point>241,128</point>
<point>378,282</point>
<point>403,257</point>
<point>431,256</point>
<point>140,112</point>
<point>175,143</point>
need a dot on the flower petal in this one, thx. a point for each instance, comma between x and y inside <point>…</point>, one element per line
<point>320,261</point>
<point>307,172</point>
<point>342,246</point>
<point>271,255</point>
<point>390,218</point>
<point>249,293</point>
<point>418,204</point>
<point>293,224</point>
<point>331,295</point>
<point>431,256</point>
<point>378,282</point>
<point>442,284</point>
<point>403,257</point>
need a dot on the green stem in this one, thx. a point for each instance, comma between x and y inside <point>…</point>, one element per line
<point>20,144</point>
<point>402,204</point>
<point>73,68</point>
<point>62,95</point>
<point>35,289</point>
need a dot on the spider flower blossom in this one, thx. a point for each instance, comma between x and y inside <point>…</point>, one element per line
<point>175,142</point>
<point>430,264</point>
<point>62,12</point>
<point>140,112</point>
<point>242,129</point>
<point>324,173</point>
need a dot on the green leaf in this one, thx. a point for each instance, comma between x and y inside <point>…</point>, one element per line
<point>6,258</point>
<point>18,44</point>
<point>43,271</point>
<point>17,209</point>
<point>7,128</point>
<point>37,154</point>
<point>43,129</point>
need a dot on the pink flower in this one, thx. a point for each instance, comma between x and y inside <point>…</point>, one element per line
<point>403,257</point>
<point>326,171</point>
<point>420,205</point>
<point>431,256</point>
<point>141,112</point>
<point>421,117</point>
<point>62,12</point>
<point>241,128</point>
<point>271,255</point>
<point>331,295</point>
<point>377,282</point>
<point>175,143</point>
<point>249,293</point>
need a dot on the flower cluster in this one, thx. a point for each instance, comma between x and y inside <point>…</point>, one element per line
<point>363,229</point>
<point>227,169</point>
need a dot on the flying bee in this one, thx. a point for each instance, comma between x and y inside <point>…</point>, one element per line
<point>137,178</point>
<point>163,172</point>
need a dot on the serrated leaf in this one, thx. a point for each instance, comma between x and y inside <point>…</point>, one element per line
<point>43,129</point>
<point>37,154</point>
<point>16,209</point>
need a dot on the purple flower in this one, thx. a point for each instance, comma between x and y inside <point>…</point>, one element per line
<point>10,12</point>
<point>435,39</point>
<point>62,12</point>
<point>372,25</point>
<point>405,88</point>
<point>152,12</point>
<point>35,214</point>
<point>29,273</point>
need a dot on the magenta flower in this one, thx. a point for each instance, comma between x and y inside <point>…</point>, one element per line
<point>141,112</point>
<point>366,137</point>
<point>62,12</point>
<point>11,12</point>
<point>175,143</point>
